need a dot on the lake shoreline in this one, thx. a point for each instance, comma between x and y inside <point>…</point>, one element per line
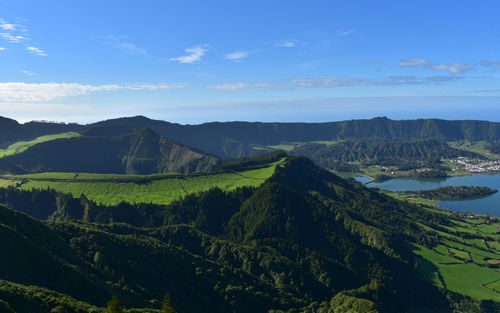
<point>489,205</point>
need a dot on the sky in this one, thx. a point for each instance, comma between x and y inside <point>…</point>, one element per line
<point>288,61</point>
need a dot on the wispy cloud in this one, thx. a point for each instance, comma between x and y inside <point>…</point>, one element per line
<point>345,32</point>
<point>6,26</point>
<point>36,51</point>
<point>123,44</point>
<point>390,81</point>
<point>2,48</point>
<point>237,86</point>
<point>159,86</point>
<point>43,92</point>
<point>289,43</point>
<point>12,38</point>
<point>18,34</point>
<point>334,82</point>
<point>414,62</point>
<point>237,56</point>
<point>28,73</point>
<point>452,68</point>
<point>194,54</point>
<point>488,63</point>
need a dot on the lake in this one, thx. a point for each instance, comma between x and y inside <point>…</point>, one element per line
<point>489,205</point>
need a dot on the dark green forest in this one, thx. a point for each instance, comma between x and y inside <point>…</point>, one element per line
<point>455,192</point>
<point>304,241</point>
<point>366,151</point>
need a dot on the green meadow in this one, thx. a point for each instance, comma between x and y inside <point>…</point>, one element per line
<point>462,264</point>
<point>20,146</point>
<point>455,274</point>
<point>158,188</point>
<point>479,147</point>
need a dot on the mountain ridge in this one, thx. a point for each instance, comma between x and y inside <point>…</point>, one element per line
<point>140,152</point>
<point>235,139</point>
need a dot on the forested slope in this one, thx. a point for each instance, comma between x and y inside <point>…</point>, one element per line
<point>139,152</point>
<point>304,241</point>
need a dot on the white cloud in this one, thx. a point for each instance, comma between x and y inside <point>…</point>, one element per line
<point>28,73</point>
<point>7,26</point>
<point>43,92</point>
<point>237,86</point>
<point>17,34</point>
<point>390,81</point>
<point>36,51</point>
<point>289,43</point>
<point>452,68</point>
<point>413,62</point>
<point>160,86</point>
<point>332,82</point>
<point>12,38</point>
<point>2,48</point>
<point>237,56</point>
<point>194,55</point>
<point>345,32</point>
<point>229,86</point>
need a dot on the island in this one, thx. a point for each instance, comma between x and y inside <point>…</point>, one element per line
<point>454,193</point>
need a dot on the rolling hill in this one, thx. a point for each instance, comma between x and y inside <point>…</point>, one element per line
<point>380,151</point>
<point>139,152</point>
<point>237,139</point>
<point>11,131</point>
<point>303,241</point>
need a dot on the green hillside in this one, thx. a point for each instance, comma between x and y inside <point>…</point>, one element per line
<point>305,240</point>
<point>363,150</point>
<point>238,139</point>
<point>111,189</point>
<point>139,152</point>
<point>20,146</point>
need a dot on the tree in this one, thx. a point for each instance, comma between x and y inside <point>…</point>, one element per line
<point>167,305</point>
<point>115,306</point>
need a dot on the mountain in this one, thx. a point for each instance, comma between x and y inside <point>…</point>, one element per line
<point>224,138</point>
<point>236,139</point>
<point>140,152</point>
<point>371,150</point>
<point>11,131</point>
<point>306,240</point>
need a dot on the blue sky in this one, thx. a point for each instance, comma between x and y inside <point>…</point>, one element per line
<point>197,61</point>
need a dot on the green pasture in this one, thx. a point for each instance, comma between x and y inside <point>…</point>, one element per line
<point>20,146</point>
<point>465,278</point>
<point>161,190</point>
<point>476,147</point>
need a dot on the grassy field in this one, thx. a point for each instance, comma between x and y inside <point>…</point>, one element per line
<point>6,183</point>
<point>20,146</point>
<point>460,263</point>
<point>494,286</point>
<point>57,175</point>
<point>158,188</point>
<point>477,147</point>
<point>455,274</point>
<point>288,146</point>
<point>410,198</point>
